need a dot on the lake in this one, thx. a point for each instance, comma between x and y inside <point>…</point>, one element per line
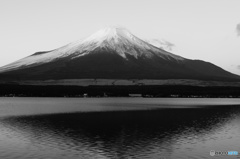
<point>118,128</point>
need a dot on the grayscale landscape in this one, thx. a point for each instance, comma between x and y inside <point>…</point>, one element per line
<point>119,79</point>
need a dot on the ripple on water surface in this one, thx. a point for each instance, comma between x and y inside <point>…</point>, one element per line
<point>171,133</point>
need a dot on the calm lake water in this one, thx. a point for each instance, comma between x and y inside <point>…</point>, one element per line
<point>118,128</point>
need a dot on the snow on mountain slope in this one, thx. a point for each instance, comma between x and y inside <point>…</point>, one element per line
<point>118,40</point>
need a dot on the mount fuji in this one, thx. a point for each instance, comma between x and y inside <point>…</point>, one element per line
<point>111,53</point>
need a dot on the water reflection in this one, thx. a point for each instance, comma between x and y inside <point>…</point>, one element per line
<point>172,133</point>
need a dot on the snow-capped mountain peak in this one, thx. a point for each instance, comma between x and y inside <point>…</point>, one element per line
<point>108,33</point>
<point>114,39</point>
<point>123,42</point>
<point>110,53</point>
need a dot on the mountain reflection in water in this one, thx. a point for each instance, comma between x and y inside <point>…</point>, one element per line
<point>169,133</point>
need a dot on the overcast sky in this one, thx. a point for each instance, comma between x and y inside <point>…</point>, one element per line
<point>200,29</point>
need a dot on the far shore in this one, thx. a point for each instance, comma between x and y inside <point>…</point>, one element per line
<point>123,82</point>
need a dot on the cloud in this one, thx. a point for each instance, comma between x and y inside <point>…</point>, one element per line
<point>163,44</point>
<point>238,29</point>
<point>169,45</point>
<point>238,67</point>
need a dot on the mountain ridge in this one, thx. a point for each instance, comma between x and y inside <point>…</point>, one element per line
<point>116,39</point>
<point>111,53</point>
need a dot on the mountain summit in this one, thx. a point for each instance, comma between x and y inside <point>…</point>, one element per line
<point>111,53</point>
<point>112,39</point>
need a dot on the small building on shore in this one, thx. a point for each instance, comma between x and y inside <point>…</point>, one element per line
<point>135,95</point>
